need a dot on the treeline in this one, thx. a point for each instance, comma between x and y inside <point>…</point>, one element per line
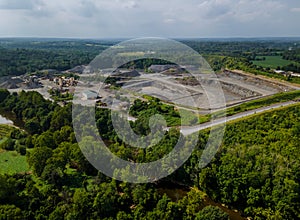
<point>233,48</point>
<point>21,61</point>
<point>56,44</point>
<point>19,56</point>
<point>293,55</point>
<point>291,67</point>
<point>144,64</point>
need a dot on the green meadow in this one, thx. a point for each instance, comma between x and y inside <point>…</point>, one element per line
<point>5,130</point>
<point>272,62</point>
<point>12,162</point>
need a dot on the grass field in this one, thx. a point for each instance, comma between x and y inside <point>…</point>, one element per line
<point>5,130</point>
<point>11,163</point>
<point>272,62</point>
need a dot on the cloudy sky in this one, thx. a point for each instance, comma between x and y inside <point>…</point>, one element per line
<point>149,18</point>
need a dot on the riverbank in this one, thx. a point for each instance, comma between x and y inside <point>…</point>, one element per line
<point>5,121</point>
<point>8,118</point>
<point>176,192</point>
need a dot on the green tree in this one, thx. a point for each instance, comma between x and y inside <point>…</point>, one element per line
<point>8,144</point>
<point>45,140</point>
<point>192,203</point>
<point>3,94</point>
<point>82,204</point>
<point>8,194</point>
<point>212,213</point>
<point>32,126</point>
<point>37,159</point>
<point>105,203</point>
<point>10,212</point>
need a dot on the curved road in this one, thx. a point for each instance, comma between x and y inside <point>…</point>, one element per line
<point>190,130</point>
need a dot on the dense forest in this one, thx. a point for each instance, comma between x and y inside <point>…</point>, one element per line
<point>256,169</point>
<point>21,61</point>
<point>20,56</point>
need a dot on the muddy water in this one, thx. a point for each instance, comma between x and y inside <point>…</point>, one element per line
<point>178,193</point>
<point>5,121</point>
<point>9,119</point>
<point>233,215</point>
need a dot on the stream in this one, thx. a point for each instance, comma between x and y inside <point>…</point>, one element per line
<point>176,192</point>
<point>8,118</point>
<point>5,121</point>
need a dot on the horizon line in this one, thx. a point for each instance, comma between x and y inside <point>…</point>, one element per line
<point>125,38</point>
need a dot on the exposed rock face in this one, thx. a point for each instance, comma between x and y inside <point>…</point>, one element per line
<point>77,69</point>
<point>233,89</point>
<point>16,83</point>
<point>241,91</point>
<point>161,68</point>
<point>132,73</point>
<point>188,81</point>
<point>9,83</point>
<point>255,81</point>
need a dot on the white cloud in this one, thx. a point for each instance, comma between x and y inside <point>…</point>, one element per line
<point>131,4</point>
<point>19,5</point>
<point>169,21</point>
<point>256,10</point>
<point>295,9</point>
<point>214,8</point>
<point>123,18</point>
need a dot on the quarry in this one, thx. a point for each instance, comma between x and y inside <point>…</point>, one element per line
<point>193,91</point>
<point>178,88</point>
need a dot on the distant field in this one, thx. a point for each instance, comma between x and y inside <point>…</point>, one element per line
<point>11,163</point>
<point>132,54</point>
<point>272,62</point>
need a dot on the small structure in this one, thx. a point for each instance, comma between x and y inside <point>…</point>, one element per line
<point>279,72</point>
<point>89,95</point>
<point>295,74</point>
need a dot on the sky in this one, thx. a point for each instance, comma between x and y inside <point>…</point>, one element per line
<point>149,18</point>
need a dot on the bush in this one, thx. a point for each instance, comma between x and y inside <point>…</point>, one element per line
<point>10,212</point>
<point>21,150</point>
<point>3,94</point>
<point>212,213</point>
<point>8,144</point>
